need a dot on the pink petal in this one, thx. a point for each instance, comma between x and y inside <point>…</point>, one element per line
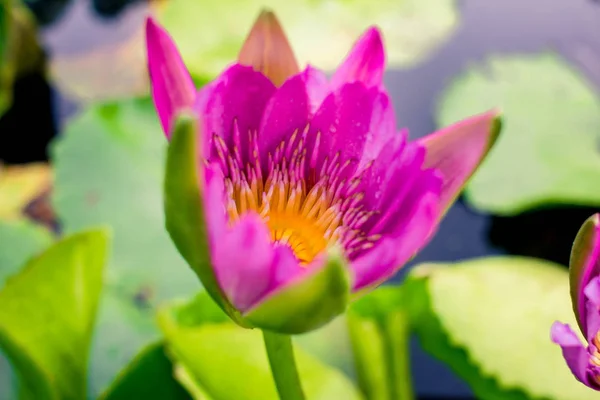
<point>214,202</point>
<point>237,97</point>
<point>243,259</point>
<point>290,108</point>
<point>575,354</point>
<point>407,200</point>
<point>592,308</point>
<point>365,63</point>
<point>172,86</point>
<point>344,121</point>
<point>375,265</point>
<point>457,151</point>
<point>382,127</point>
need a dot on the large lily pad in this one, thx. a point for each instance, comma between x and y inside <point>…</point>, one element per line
<point>210,33</point>
<point>223,361</point>
<point>19,240</point>
<point>109,169</point>
<point>490,318</point>
<point>48,313</point>
<point>549,150</point>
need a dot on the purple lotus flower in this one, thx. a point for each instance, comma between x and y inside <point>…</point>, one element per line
<point>295,191</point>
<point>584,270</point>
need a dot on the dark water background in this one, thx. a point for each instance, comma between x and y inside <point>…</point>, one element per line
<point>571,27</point>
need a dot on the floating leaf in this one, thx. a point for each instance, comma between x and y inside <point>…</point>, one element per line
<point>548,152</point>
<point>109,169</point>
<point>227,362</point>
<point>47,317</point>
<point>489,319</point>
<point>149,376</point>
<point>19,240</point>
<point>20,185</point>
<point>210,34</point>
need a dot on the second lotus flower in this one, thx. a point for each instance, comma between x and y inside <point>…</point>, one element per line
<point>584,271</point>
<point>294,191</point>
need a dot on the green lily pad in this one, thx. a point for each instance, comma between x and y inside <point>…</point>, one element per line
<point>211,33</point>
<point>224,361</point>
<point>48,313</point>
<point>149,376</point>
<point>549,150</point>
<point>489,319</point>
<point>19,240</point>
<point>109,167</point>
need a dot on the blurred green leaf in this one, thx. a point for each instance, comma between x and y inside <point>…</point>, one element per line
<point>210,34</point>
<point>330,344</point>
<point>48,313</point>
<point>548,152</point>
<point>379,332</point>
<point>489,319</point>
<point>149,376</point>
<point>226,362</point>
<point>109,166</point>
<point>19,240</point>
<point>20,52</point>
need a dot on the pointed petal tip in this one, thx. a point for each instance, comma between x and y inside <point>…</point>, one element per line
<point>150,23</point>
<point>365,62</point>
<point>268,50</point>
<point>594,219</point>
<point>266,14</point>
<point>153,29</point>
<point>374,35</point>
<point>171,84</point>
<point>456,151</point>
<point>562,334</point>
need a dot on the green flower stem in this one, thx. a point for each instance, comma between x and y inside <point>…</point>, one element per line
<point>397,336</point>
<point>380,345</point>
<point>283,366</point>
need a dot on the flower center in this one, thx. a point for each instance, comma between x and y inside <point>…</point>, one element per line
<point>306,205</point>
<point>305,221</point>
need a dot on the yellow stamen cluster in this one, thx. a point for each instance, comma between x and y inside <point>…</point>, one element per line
<point>308,211</point>
<point>306,221</point>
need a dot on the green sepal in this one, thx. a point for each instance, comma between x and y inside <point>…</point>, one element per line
<point>583,248</point>
<point>309,303</point>
<point>184,215</point>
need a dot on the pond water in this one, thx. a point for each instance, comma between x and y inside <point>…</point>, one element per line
<point>571,27</point>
